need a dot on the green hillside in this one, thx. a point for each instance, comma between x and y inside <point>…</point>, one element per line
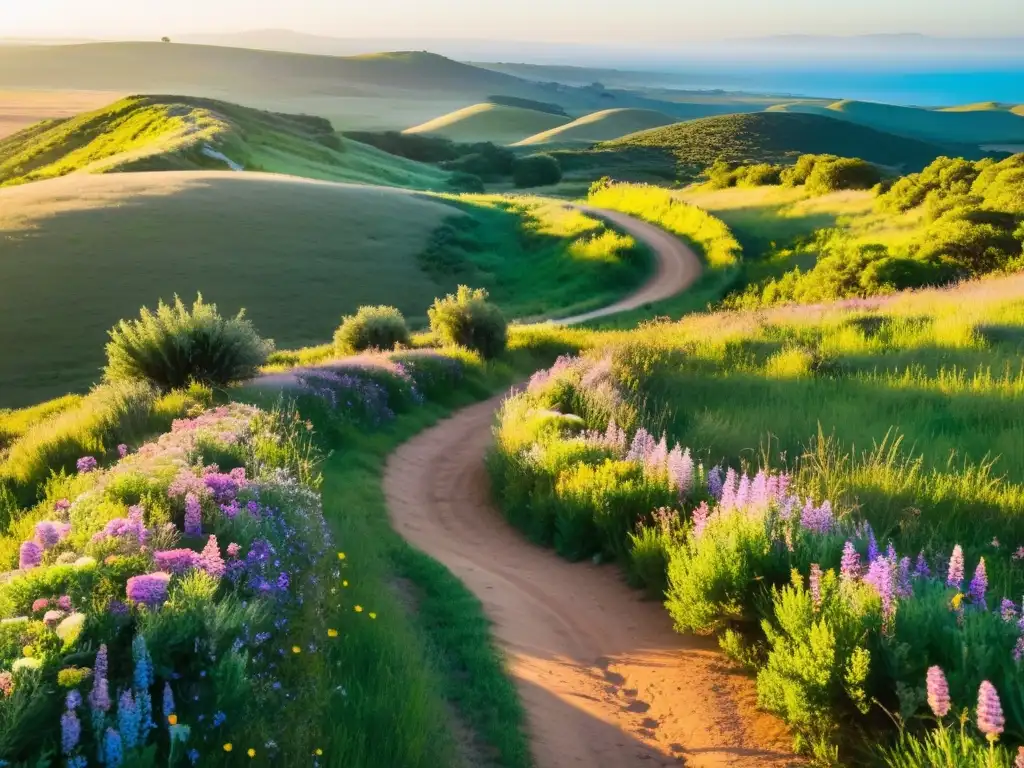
<point>601,126</point>
<point>143,133</point>
<point>774,137</point>
<point>80,252</point>
<point>975,124</point>
<point>496,123</point>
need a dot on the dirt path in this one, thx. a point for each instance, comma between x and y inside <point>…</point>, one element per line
<point>605,681</point>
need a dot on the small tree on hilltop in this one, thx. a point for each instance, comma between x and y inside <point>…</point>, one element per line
<point>165,39</point>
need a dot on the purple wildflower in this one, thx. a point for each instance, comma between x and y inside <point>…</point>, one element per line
<point>728,498</point>
<point>129,720</point>
<point>880,576</point>
<point>193,515</point>
<point>921,568</point>
<point>1008,610</point>
<point>122,450</point>
<point>817,519</point>
<point>99,698</point>
<point>955,577</point>
<point>700,519</point>
<point>233,550</point>
<point>1018,649</point>
<point>64,602</point>
<point>742,498</point>
<point>175,560</point>
<point>849,568</point>
<point>117,608</point>
<point>150,589</point>
<point>903,586</point>
<point>715,482</point>
<point>938,692</point>
<point>168,701</point>
<point>979,584</point>
<point>615,437</point>
<point>643,444</point>
<point>210,560</point>
<point>86,464</point>
<point>61,506</point>
<point>70,732</point>
<point>49,534</point>
<point>990,711</point>
<point>680,469</point>
<point>815,584</point>
<point>29,555</point>
<point>873,551</point>
<point>73,699</point>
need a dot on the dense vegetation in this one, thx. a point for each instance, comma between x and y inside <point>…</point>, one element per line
<point>970,215</point>
<point>774,137</point>
<point>819,174</point>
<point>840,475</point>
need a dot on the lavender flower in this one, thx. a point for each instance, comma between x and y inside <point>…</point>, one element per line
<point>643,444</point>
<point>715,482</point>
<point>175,560</point>
<point>1008,610</point>
<point>880,576</point>
<point>168,702</point>
<point>193,515</point>
<point>129,721</point>
<point>990,711</point>
<point>29,555</point>
<point>938,692</point>
<point>955,576</point>
<point>728,497</point>
<point>73,700</point>
<point>903,586</point>
<point>815,585</point>
<point>86,464</point>
<point>50,534</point>
<point>849,568</point>
<point>817,519</point>
<point>99,698</point>
<point>873,551</point>
<point>921,567</point>
<point>64,602</point>
<point>680,470</point>
<point>979,584</point>
<point>70,732</point>
<point>149,589</point>
<point>210,560</point>
<point>742,498</point>
<point>122,450</point>
<point>6,684</point>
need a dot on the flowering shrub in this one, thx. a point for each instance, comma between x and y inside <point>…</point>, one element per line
<point>130,634</point>
<point>840,622</point>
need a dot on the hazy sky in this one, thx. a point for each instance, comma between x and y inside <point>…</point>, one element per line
<point>593,21</point>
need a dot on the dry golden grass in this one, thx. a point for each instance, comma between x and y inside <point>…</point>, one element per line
<point>20,109</point>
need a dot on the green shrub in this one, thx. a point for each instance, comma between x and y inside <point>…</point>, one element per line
<point>466,318</point>
<point>536,171</point>
<point>371,328</point>
<point>796,175</point>
<point>946,747</point>
<point>842,173</point>
<point>174,347</point>
<point>465,182</point>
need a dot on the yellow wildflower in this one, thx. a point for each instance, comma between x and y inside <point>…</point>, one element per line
<point>359,609</point>
<point>228,747</point>
<point>344,583</point>
<point>172,719</point>
<point>341,555</point>
<point>373,615</point>
<point>319,751</point>
<point>332,633</point>
<point>957,599</point>
<point>251,752</point>
<point>296,649</point>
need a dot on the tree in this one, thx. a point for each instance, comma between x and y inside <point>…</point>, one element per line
<point>165,39</point>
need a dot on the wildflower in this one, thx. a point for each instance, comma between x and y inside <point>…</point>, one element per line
<point>817,519</point>
<point>143,678</point>
<point>51,618</point>
<point>880,576</point>
<point>373,615</point>
<point>873,552</point>
<point>955,576</point>
<point>700,519</point>
<point>233,550</point>
<point>129,720</point>
<point>73,700</point>
<point>70,731</point>
<point>29,555</point>
<point>40,604</point>
<point>251,752</point>
<point>1019,554</point>
<point>228,747</point>
<point>1019,760</point>
<point>341,555</point>
<point>938,692</point>
<point>168,704</point>
<point>6,684</point>
<point>979,583</point>
<point>1008,610</point>
<point>175,560</point>
<point>49,534</point>
<point>715,483</point>
<point>122,450</point>
<point>64,602</point>
<point>193,515</point>
<point>218,719</point>
<point>643,445</point>
<point>332,633</point>
<point>903,585</point>
<point>680,470</point>
<point>995,542</point>
<point>319,751</point>
<point>359,609</point>
<point>296,649</point>
<point>149,589</point>
<point>113,750</point>
<point>86,464</point>
<point>70,629</point>
<point>849,568</point>
<point>990,711</point>
<point>921,566</point>
<point>815,585</point>
<point>210,559</point>
<point>344,583</point>
<point>61,506</point>
<point>99,699</point>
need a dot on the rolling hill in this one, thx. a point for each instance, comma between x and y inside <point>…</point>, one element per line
<point>774,137</point>
<point>605,125</point>
<point>497,123</point>
<point>150,133</point>
<point>979,124</point>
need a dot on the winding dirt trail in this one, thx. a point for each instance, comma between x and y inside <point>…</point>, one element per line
<point>604,680</point>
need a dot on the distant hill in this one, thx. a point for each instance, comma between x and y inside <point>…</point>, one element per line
<point>147,133</point>
<point>490,122</point>
<point>977,124</point>
<point>776,137</point>
<point>600,126</point>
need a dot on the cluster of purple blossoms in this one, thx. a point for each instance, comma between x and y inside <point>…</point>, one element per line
<point>979,585</point>
<point>938,692</point>
<point>175,560</point>
<point>149,589</point>
<point>30,555</point>
<point>86,464</point>
<point>849,568</point>
<point>49,534</point>
<point>131,528</point>
<point>122,450</point>
<point>193,515</point>
<point>99,697</point>
<point>955,575</point>
<point>225,486</point>
<point>990,711</point>
<point>210,560</point>
<point>881,576</point>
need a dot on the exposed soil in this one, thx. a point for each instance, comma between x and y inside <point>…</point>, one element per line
<point>605,681</point>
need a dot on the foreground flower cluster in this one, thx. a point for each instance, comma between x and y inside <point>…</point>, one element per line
<point>843,625</point>
<point>173,606</point>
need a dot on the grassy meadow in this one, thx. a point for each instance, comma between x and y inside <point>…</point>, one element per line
<point>605,125</point>
<point>136,238</point>
<point>497,123</point>
<point>21,108</point>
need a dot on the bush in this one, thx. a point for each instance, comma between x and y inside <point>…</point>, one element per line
<point>465,182</point>
<point>842,173</point>
<point>485,160</point>
<point>536,171</point>
<point>468,319</point>
<point>796,175</point>
<point>175,346</point>
<point>371,328</point>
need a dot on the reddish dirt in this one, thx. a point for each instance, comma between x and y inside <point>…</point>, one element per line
<point>605,681</point>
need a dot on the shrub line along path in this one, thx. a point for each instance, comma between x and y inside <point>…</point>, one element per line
<point>604,680</point>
